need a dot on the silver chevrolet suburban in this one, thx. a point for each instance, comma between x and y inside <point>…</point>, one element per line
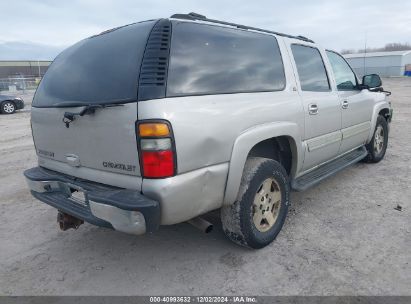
<point>159,122</point>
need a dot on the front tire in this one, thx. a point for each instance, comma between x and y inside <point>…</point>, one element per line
<point>257,216</point>
<point>378,145</point>
<point>8,107</point>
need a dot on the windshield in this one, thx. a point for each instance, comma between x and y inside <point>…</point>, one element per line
<point>98,70</point>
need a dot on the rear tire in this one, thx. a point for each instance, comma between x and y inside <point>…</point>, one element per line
<point>378,145</point>
<point>8,107</point>
<point>257,216</point>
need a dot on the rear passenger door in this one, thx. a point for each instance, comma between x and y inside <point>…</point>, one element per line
<point>322,109</point>
<point>356,104</point>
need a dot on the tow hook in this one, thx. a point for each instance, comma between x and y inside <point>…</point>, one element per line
<point>67,221</point>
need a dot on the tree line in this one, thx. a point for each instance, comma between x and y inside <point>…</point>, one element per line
<point>389,47</point>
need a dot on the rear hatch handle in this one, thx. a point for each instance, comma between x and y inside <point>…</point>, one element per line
<point>87,110</point>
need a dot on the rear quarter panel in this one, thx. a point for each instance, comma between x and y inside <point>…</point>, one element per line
<point>205,127</point>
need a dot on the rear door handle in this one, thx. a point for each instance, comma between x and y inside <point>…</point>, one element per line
<point>312,109</point>
<point>344,104</point>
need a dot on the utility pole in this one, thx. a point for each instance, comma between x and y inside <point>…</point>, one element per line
<point>365,51</point>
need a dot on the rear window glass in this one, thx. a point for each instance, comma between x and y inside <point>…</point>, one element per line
<point>208,59</point>
<point>100,69</point>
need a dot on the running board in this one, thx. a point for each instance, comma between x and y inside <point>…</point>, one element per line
<point>317,175</point>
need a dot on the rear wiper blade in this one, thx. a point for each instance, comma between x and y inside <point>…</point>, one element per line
<point>87,110</point>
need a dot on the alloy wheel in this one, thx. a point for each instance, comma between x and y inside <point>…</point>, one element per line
<point>266,205</point>
<point>8,108</point>
<point>378,140</point>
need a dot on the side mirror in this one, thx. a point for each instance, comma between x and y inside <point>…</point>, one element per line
<point>372,81</point>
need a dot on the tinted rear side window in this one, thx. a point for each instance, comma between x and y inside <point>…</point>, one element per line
<point>209,59</point>
<point>311,69</point>
<point>100,69</point>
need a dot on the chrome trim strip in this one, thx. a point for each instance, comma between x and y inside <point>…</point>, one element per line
<point>127,221</point>
<point>43,186</point>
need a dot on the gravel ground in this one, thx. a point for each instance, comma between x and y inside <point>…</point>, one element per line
<point>343,237</point>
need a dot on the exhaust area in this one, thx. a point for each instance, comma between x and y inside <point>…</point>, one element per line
<point>201,224</point>
<point>67,221</point>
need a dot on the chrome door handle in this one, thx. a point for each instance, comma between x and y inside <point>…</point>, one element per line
<point>344,104</point>
<point>312,109</point>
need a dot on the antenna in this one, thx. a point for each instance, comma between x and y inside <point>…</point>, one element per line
<point>365,52</point>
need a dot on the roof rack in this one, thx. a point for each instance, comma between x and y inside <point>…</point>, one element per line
<point>195,16</point>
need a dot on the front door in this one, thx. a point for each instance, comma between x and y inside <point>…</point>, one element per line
<point>322,109</point>
<point>356,104</point>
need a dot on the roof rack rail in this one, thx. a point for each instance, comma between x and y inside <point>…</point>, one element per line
<point>195,16</point>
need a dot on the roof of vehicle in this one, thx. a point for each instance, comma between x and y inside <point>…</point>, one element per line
<point>198,17</point>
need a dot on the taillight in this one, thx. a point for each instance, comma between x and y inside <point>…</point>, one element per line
<point>157,149</point>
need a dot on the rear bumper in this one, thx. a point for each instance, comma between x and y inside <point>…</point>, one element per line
<point>103,205</point>
<point>19,104</point>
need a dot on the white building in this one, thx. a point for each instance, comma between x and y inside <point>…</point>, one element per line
<point>382,63</point>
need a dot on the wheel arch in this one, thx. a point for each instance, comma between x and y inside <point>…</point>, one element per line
<point>385,112</point>
<point>383,108</point>
<point>7,100</point>
<point>276,148</point>
<point>260,141</point>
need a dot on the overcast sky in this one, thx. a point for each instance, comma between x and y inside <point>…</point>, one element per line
<point>41,29</point>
